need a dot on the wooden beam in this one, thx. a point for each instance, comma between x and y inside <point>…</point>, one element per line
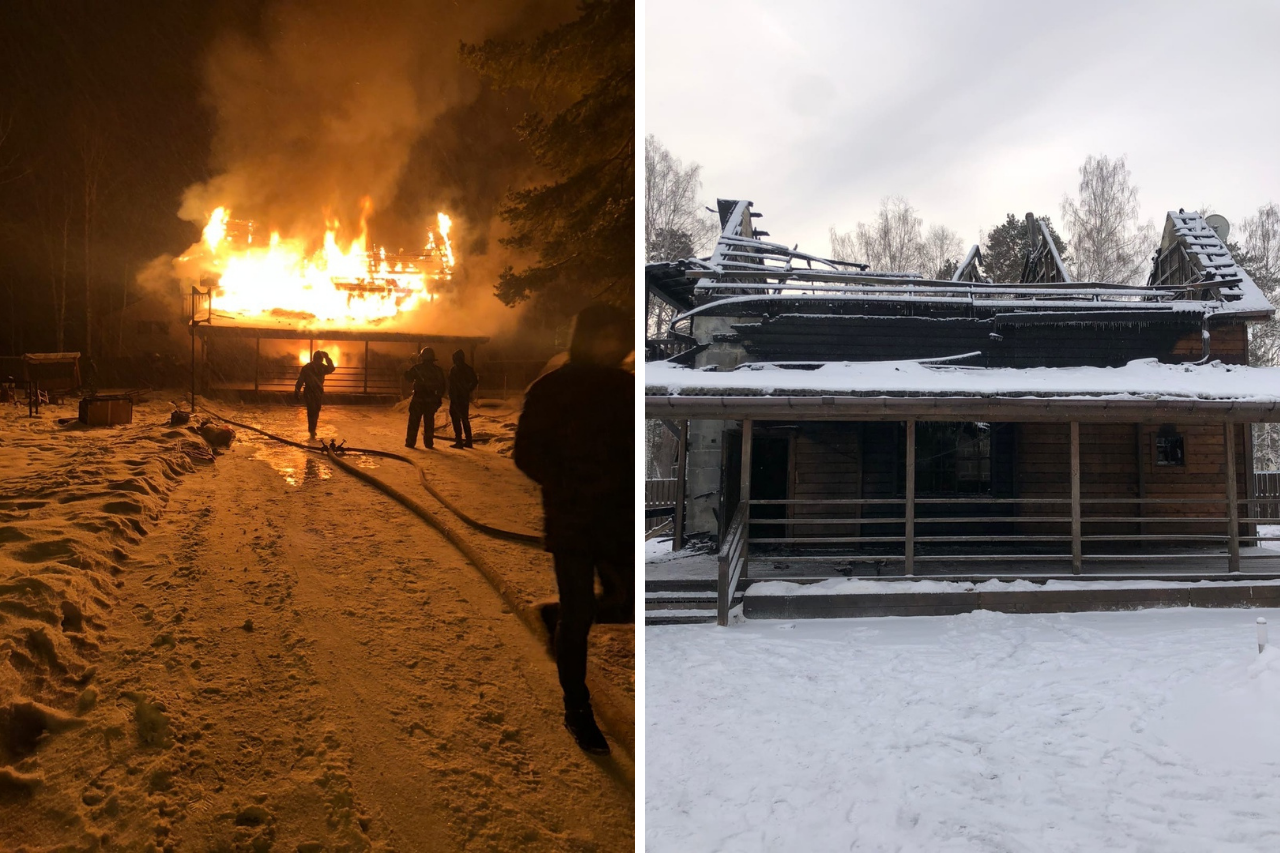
<point>1077,558</point>
<point>744,490</point>
<point>366,367</point>
<point>1233,512</point>
<point>257,360</point>
<point>682,463</point>
<point>909,528</point>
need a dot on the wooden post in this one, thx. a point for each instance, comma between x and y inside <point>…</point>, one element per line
<point>1233,514</point>
<point>744,490</point>
<point>1250,483</point>
<point>909,507</point>
<point>257,359</point>
<point>1077,558</point>
<point>681,463</point>
<point>1140,459</point>
<point>366,367</point>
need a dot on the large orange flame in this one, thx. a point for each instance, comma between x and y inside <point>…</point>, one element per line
<point>334,285</point>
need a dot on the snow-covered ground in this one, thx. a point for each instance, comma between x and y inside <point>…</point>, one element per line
<point>1155,730</point>
<point>261,652</point>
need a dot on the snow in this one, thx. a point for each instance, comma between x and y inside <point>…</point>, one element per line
<point>1145,731</point>
<point>260,652</point>
<point>854,586</point>
<point>1144,379</point>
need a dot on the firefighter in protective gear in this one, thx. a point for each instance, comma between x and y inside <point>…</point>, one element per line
<point>428,390</point>
<point>576,439</point>
<point>311,386</point>
<point>462,381</point>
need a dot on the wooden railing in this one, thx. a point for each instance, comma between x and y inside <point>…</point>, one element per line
<point>1266,487</point>
<point>733,562</point>
<point>881,531</point>
<point>659,503</point>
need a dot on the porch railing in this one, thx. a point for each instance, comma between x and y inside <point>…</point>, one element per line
<point>733,562</point>
<point>859,531</point>
<point>1266,485</point>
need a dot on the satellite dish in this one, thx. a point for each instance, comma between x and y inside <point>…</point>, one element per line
<point>1219,224</point>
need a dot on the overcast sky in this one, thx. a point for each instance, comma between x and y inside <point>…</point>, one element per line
<point>816,109</point>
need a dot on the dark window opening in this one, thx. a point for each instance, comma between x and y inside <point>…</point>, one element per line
<point>1169,448</point>
<point>953,458</point>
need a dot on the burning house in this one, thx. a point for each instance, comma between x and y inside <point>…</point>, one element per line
<point>835,420</point>
<point>261,304</point>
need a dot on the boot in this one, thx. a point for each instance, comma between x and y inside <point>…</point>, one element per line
<point>467,443</point>
<point>581,723</point>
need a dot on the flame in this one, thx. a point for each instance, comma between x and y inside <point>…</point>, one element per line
<point>216,229</point>
<point>339,283</point>
<point>445,224</point>
<point>335,354</point>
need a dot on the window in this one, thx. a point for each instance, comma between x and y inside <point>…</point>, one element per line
<point>953,458</point>
<point>1170,449</point>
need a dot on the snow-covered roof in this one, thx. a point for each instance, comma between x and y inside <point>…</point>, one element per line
<point>1146,379</point>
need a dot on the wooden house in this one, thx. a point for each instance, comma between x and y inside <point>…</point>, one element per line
<point>837,420</point>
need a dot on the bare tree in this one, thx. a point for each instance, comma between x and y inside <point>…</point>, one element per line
<point>1258,251</point>
<point>844,247</point>
<point>893,242</point>
<point>93,154</point>
<point>675,223</point>
<point>942,249</point>
<point>55,206</point>
<point>1108,242</point>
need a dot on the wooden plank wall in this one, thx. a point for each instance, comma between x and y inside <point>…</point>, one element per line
<point>1109,467</point>
<point>827,464</point>
<point>1229,344</point>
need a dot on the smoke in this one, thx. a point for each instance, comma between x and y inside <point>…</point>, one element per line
<point>328,103</point>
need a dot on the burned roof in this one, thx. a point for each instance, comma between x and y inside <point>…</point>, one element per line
<point>1194,281</point>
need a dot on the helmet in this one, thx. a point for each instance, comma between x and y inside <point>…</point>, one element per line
<point>427,354</point>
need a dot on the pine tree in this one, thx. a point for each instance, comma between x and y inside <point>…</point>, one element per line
<point>579,226</point>
<point>1006,248</point>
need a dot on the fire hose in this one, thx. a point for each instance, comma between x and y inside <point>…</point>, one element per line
<point>613,709</point>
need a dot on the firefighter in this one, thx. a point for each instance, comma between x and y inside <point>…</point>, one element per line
<point>575,438</point>
<point>428,388</point>
<point>311,386</point>
<point>462,381</point>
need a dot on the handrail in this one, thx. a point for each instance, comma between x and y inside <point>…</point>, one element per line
<point>733,558</point>
<point>854,531</point>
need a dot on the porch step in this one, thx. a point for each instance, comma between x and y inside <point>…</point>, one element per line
<point>681,602</point>
<point>679,617</point>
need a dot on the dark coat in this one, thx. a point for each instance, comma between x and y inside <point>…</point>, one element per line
<point>428,383</point>
<point>576,439</point>
<point>462,381</point>
<point>311,379</point>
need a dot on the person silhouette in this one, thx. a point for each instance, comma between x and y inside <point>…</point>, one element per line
<point>310,385</point>
<point>576,439</point>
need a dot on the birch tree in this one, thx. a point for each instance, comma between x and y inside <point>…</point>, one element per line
<point>1258,252</point>
<point>676,224</point>
<point>1108,242</point>
<point>942,251</point>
